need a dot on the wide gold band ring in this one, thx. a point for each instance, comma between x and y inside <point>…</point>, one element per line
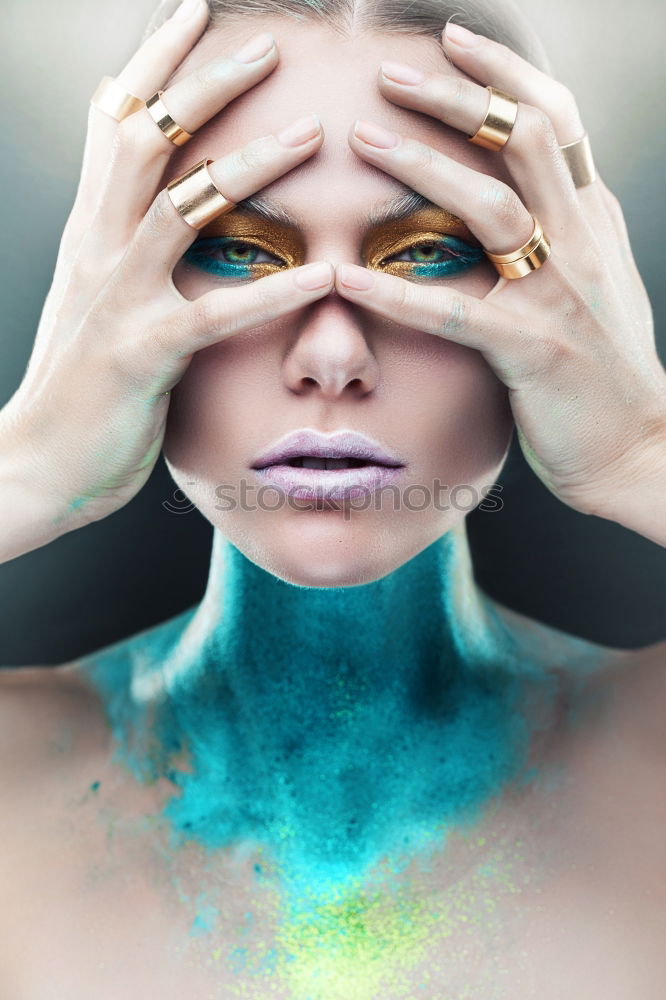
<point>521,262</point>
<point>114,100</point>
<point>196,197</point>
<point>579,159</point>
<point>163,119</point>
<point>500,118</point>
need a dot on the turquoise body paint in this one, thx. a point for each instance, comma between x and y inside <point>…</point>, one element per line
<point>334,726</point>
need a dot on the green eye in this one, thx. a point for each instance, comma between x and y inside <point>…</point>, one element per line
<point>227,257</point>
<point>437,259</point>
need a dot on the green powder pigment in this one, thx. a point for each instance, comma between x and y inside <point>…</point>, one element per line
<point>334,726</point>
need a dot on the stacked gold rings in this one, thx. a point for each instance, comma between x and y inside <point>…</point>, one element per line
<point>196,197</point>
<point>500,118</point>
<point>526,259</point>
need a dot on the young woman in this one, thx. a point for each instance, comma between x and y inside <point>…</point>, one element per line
<point>347,772</point>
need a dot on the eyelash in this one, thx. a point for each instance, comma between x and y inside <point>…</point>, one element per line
<point>201,255</point>
<point>460,257</point>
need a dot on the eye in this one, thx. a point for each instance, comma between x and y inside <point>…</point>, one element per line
<point>228,257</point>
<point>435,258</point>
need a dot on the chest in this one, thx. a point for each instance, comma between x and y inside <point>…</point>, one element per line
<point>544,898</point>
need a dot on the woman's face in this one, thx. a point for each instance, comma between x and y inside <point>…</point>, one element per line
<point>333,365</point>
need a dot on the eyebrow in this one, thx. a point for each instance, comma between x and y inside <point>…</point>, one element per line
<point>400,207</point>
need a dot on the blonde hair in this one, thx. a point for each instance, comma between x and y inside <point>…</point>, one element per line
<point>500,20</point>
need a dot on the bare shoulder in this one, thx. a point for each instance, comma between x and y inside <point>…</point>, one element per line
<point>635,688</point>
<point>46,714</point>
<point>623,689</point>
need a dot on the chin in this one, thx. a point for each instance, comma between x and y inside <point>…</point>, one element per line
<point>323,549</point>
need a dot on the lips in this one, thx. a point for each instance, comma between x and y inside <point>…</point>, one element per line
<point>310,465</point>
<point>352,447</point>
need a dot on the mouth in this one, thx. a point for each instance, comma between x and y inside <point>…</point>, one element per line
<point>310,477</point>
<point>311,465</point>
<point>316,462</point>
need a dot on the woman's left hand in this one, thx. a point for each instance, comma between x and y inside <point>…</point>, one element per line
<point>574,341</point>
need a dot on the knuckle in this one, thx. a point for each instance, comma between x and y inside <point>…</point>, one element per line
<point>204,315</point>
<point>459,89</point>
<point>503,202</point>
<point>160,218</point>
<point>562,102</point>
<point>264,294</point>
<point>127,137</point>
<point>247,159</point>
<point>536,129</point>
<point>423,157</point>
<point>452,316</point>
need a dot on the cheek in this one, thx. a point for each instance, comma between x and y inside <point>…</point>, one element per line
<point>460,417</point>
<point>227,390</point>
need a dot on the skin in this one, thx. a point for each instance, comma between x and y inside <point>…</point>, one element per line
<point>562,848</point>
<point>313,358</point>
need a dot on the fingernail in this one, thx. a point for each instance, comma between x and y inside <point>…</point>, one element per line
<point>186,9</point>
<point>255,48</point>
<point>314,276</point>
<point>401,73</point>
<point>300,131</point>
<point>359,278</point>
<point>375,135</point>
<point>461,36</point>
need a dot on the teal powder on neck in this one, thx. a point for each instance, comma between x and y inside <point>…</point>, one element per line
<point>335,726</point>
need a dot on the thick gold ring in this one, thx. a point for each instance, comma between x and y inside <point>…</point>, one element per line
<point>500,118</point>
<point>161,117</point>
<point>579,159</point>
<point>196,197</point>
<point>114,100</point>
<point>528,258</point>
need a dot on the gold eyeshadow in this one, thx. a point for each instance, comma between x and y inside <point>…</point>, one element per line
<point>425,226</point>
<point>285,242</point>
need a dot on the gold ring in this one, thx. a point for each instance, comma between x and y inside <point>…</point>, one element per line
<point>195,196</point>
<point>500,118</point>
<point>161,117</point>
<point>528,258</point>
<point>114,100</point>
<point>579,159</point>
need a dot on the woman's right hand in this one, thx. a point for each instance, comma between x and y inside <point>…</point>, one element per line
<point>86,424</point>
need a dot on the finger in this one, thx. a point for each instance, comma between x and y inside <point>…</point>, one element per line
<point>498,66</point>
<point>532,153</point>
<point>510,349</point>
<point>215,316</point>
<point>146,72</point>
<point>163,235</point>
<point>492,210</point>
<point>142,151</point>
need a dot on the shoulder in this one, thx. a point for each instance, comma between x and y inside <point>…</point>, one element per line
<point>50,715</point>
<point>46,715</point>
<point>621,689</point>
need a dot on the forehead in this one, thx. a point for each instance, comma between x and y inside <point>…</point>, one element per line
<point>323,71</point>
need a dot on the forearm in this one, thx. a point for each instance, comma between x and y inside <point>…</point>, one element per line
<point>27,515</point>
<point>638,502</point>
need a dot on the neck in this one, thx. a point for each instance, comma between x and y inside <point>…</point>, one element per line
<point>261,629</point>
<point>334,725</point>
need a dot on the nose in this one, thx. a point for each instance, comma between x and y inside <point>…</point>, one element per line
<point>331,355</point>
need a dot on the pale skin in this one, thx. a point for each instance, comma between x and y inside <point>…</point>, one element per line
<point>124,331</point>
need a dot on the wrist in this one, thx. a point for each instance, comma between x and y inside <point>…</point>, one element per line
<point>636,494</point>
<point>28,515</point>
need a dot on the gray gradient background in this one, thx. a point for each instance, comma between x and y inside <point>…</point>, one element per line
<point>144,564</point>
